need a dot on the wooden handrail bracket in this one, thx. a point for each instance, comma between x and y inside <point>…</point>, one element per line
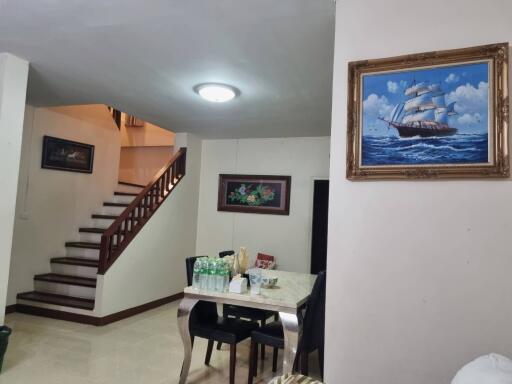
<point>124,229</point>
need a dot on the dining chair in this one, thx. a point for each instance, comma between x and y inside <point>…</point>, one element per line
<point>205,323</point>
<point>312,336</point>
<point>226,253</point>
<point>239,312</point>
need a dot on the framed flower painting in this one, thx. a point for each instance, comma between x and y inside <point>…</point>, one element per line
<point>254,194</point>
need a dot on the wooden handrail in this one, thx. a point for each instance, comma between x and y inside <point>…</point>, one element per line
<point>123,230</point>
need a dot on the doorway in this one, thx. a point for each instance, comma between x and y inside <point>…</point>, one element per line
<point>320,225</point>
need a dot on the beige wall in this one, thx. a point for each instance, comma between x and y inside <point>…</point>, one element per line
<point>149,135</point>
<point>418,272</point>
<point>145,150</point>
<point>140,164</point>
<point>52,205</point>
<point>287,237</point>
<point>13,89</point>
<point>153,265</point>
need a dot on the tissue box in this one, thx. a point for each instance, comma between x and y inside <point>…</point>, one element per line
<point>238,285</point>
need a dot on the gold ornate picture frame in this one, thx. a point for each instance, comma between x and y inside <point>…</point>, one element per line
<point>440,114</point>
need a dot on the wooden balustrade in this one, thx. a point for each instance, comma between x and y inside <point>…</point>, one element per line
<point>122,231</point>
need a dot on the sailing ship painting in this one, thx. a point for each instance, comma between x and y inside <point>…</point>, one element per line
<point>436,115</point>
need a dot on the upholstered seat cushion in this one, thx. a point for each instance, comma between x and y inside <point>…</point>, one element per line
<point>225,330</point>
<point>488,369</point>
<point>270,334</point>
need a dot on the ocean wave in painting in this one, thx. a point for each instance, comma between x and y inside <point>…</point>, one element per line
<point>457,149</point>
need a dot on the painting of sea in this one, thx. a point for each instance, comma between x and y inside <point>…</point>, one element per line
<point>434,115</point>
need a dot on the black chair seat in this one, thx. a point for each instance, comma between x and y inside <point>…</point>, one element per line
<point>246,312</point>
<point>271,334</point>
<point>225,330</point>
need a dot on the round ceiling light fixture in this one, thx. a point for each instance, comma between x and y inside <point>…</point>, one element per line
<point>216,93</point>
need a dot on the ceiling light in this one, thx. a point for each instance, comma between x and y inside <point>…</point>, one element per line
<point>216,93</point>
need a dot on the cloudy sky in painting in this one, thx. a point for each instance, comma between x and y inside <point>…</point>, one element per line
<point>466,85</point>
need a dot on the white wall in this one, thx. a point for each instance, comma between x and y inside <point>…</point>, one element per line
<point>13,90</point>
<point>419,272</point>
<point>153,265</point>
<point>52,205</point>
<point>287,237</point>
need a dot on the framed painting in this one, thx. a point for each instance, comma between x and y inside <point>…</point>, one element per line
<point>254,194</point>
<point>430,115</point>
<point>66,155</point>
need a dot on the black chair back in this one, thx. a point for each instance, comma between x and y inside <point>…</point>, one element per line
<point>189,262</point>
<point>226,253</point>
<point>203,311</point>
<point>314,320</point>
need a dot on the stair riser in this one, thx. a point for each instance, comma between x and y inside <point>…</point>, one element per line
<point>64,289</point>
<point>90,237</point>
<point>74,270</point>
<point>83,252</point>
<point>101,223</point>
<point>38,304</point>
<point>128,188</point>
<point>123,199</point>
<point>112,210</point>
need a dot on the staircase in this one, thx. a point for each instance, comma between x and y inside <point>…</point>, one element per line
<point>70,287</point>
<point>72,280</point>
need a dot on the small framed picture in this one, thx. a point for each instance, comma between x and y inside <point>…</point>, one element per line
<point>254,194</point>
<point>66,155</point>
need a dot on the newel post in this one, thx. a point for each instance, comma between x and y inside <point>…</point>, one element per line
<point>102,265</point>
<point>183,161</point>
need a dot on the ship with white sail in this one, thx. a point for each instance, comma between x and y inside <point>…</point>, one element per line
<point>424,113</point>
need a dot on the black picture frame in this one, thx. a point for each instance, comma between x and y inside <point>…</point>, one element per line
<point>66,155</point>
<point>270,194</point>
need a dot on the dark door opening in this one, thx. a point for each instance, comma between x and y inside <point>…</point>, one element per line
<point>320,222</point>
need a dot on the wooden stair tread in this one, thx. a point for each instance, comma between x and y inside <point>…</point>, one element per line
<point>91,230</point>
<point>125,194</point>
<point>81,261</point>
<point>131,184</point>
<point>109,204</point>
<point>83,244</point>
<point>66,279</point>
<point>51,298</point>
<point>107,217</point>
<point>122,205</point>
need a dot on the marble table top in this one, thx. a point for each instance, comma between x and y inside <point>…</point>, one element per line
<point>290,293</point>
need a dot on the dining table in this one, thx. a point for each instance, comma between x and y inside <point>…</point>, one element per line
<point>288,297</point>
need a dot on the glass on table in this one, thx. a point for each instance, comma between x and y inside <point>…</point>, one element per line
<point>255,276</point>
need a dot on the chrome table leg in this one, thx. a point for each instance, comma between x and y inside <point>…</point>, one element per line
<point>184,310</point>
<point>291,339</point>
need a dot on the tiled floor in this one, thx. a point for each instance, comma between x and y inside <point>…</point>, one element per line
<point>144,349</point>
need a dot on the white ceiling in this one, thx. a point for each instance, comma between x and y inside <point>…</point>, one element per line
<point>144,57</point>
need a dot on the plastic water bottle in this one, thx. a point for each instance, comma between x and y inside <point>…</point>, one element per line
<point>212,275</point>
<point>196,276</point>
<point>225,278</point>
<point>219,276</point>
<point>203,275</point>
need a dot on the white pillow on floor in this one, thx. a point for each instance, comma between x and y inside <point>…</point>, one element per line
<point>489,369</point>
